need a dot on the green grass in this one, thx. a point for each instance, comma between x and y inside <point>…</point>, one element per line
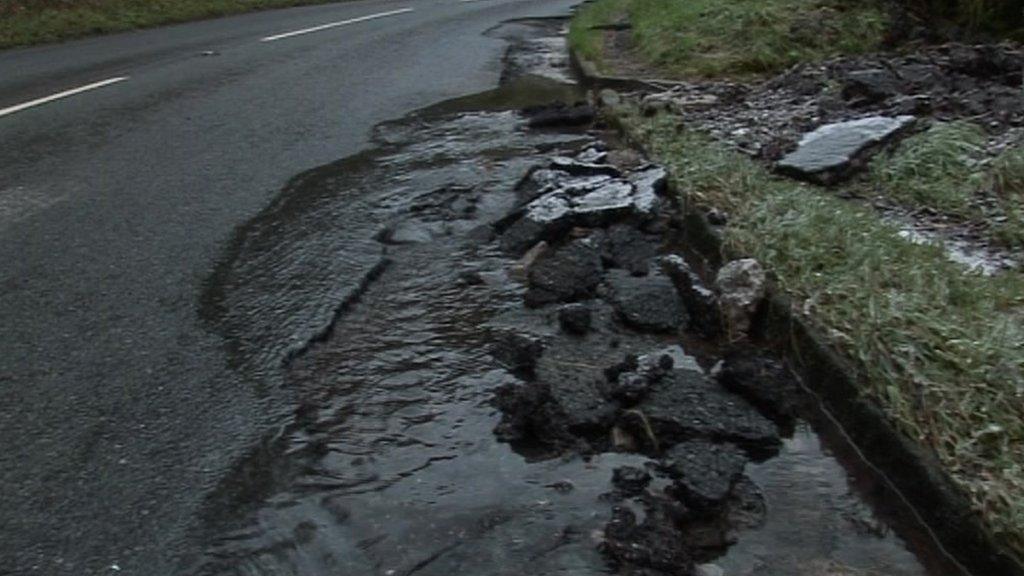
<point>24,22</point>
<point>583,38</point>
<point>942,350</point>
<point>946,168</point>
<point>716,38</point>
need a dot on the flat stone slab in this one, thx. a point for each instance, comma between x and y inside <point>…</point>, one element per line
<point>831,152</point>
<point>686,405</point>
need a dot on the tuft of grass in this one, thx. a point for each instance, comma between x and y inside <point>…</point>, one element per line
<point>946,168</point>
<point>941,349</point>
<point>583,35</point>
<point>1005,182</point>
<point>722,38</point>
<point>938,168</point>
<point>26,22</point>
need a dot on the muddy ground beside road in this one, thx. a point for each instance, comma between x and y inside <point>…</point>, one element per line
<point>520,371</point>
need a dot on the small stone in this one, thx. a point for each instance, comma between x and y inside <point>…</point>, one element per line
<point>521,268</point>
<point>575,318</point>
<point>578,168</point>
<point>763,381</point>
<point>655,546</point>
<point>572,271</point>
<point>708,570</point>
<point>563,486</point>
<point>630,480</point>
<point>653,104</point>
<point>627,248</point>
<point>592,155</point>
<point>704,473</point>
<point>717,217</point>
<point>622,440</point>
<point>701,303</point>
<point>630,388</point>
<point>869,86</point>
<point>470,278</point>
<point>608,98</point>
<point>518,352</point>
<point>741,286</point>
<point>685,405</point>
<point>649,303</point>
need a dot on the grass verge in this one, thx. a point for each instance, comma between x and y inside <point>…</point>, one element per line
<point>941,349</point>
<point>25,22</point>
<point>946,168</point>
<point>716,38</point>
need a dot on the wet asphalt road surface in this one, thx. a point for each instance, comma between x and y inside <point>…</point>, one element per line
<point>122,408</point>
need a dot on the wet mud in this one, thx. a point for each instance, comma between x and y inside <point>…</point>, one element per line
<point>495,361</point>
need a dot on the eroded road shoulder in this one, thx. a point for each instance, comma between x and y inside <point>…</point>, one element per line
<point>513,373</point>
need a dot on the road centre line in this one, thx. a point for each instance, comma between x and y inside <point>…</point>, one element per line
<point>335,24</point>
<point>47,99</point>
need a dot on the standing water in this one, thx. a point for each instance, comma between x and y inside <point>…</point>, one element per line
<point>371,294</point>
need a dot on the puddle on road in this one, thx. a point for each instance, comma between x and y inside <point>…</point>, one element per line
<point>387,462</point>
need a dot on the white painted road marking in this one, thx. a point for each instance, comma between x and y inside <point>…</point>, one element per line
<point>335,24</point>
<point>59,95</point>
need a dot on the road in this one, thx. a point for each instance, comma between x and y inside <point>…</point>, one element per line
<point>120,410</point>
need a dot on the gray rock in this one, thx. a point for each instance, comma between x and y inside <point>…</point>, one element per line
<point>407,232</point>
<point>521,269</point>
<point>630,249</point>
<point>594,200</point>
<point>518,352</point>
<point>592,155</point>
<point>608,98</point>
<point>700,302</point>
<point>741,288</point>
<point>630,480</point>
<point>575,318</point>
<point>650,183</point>
<point>747,508</point>
<point>654,546</point>
<point>653,104</point>
<point>708,570</point>
<point>561,115</point>
<point>570,272</point>
<point>869,86</point>
<point>648,303</point>
<point>703,472</point>
<point>686,404</point>
<point>831,152</point>
<point>539,180</point>
<point>763,381</point>
<point>580,168</point>
<point>678,359</point>
<point>560,414</point>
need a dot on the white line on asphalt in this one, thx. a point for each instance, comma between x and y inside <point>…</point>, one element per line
<point>335,24</point>
<point>59,95</point>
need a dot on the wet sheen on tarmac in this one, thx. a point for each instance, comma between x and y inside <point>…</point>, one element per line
<point>388,463</point>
